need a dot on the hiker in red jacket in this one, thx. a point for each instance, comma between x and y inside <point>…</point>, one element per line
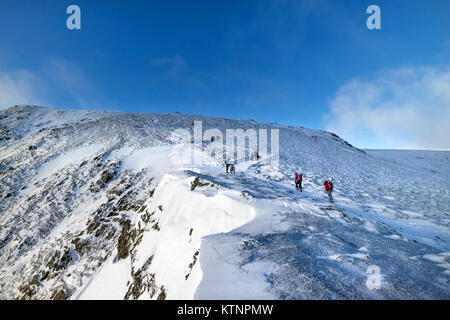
<point>329,189</point>
<point>298,181</point>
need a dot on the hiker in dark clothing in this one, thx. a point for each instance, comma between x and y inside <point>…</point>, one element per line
<point>298,181</point>
<point>254,156</point>
<point>229,166</point>
<point>329,189</point>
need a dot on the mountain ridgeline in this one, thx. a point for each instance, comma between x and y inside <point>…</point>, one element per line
<point>92,206</point>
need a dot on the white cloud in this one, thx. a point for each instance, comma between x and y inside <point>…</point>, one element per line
<point>72,81</point>
<point>404,108</point>
<point>56,83</point>
<point>18,88</point>
<point>174,64</point>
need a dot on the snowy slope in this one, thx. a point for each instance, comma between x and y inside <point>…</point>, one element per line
<point>92,206</point>
<point>430,162</point>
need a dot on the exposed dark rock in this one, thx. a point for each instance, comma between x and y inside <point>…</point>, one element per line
<point>198,183</point>
<point>142,281</point>
<point>124,243</point>
<point>162,294</point>
<point>60,295</point>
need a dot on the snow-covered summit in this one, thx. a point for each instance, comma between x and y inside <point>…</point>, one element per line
<point>93,206</point>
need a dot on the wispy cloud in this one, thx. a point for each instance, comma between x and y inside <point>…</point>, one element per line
<point>173,64</point>
<point>71,80</point>
<point>57,82</point>
<point>19,87</point>
<point>404,108</point>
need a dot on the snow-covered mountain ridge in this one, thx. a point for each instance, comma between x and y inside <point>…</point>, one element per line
<point>91,206</point>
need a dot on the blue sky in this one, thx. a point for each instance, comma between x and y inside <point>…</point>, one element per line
<point>308,63</point>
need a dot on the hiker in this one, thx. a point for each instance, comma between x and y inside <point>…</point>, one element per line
<point>329,189</point>
<point>254,156</point>
<point>228,165</point>
<point>298,181</point>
